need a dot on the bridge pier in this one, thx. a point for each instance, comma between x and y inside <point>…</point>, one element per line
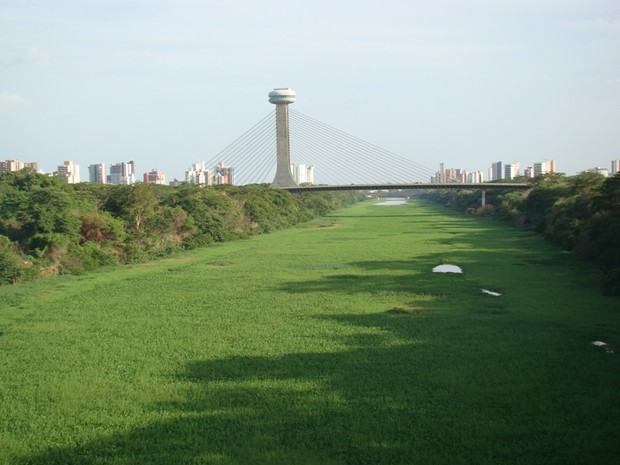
<point>483,199</point>
<point>281,98</point>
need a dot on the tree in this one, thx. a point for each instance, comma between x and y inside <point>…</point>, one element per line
<point>134,204</point>
<point>13,268</point>
<point>599,240</point>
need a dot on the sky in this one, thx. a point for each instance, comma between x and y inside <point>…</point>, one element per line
<point>168,83</point>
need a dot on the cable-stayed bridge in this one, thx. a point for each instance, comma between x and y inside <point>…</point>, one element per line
<point>341,161</point>
<point>337,157</point>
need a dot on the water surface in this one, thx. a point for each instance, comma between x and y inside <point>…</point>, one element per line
<point>391,202</point>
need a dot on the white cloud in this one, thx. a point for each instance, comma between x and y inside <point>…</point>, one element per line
<point>10,100</point>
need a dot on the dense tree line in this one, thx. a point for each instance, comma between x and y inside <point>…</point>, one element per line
<point>48,227</point>
<point>578,213</point>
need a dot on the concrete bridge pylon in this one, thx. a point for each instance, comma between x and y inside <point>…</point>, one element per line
<point>281,97</point>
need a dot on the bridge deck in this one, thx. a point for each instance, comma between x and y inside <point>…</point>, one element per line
<point>367,187</point>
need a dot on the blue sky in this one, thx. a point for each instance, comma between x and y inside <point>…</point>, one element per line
<point>170,83</point>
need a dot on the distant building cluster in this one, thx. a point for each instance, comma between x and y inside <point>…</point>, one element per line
<point>15,165</point>
<point>456,175</point>
<point>497,171</point>
<point>615,169</point>
<point>154,177</point>
<point>200,175</point>
<point>123,173</point>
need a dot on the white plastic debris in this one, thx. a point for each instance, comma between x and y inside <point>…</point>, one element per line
<point>447,269</point>
<point>609,349</point>
<point>495,294</point>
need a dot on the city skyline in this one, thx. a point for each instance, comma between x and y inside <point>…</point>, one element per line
<point>166,83</point>
<point>200,174</point>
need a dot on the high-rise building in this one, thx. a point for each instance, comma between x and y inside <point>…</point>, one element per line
<point>615,167</point>
<point>528,172</point>
<point>11,165</point>
<point>476,177</point>
<point>198,174</point>
<point>460,175</point>
<point>512,170</point>
<point>451,175</point>
<point>496,171</point>
<point>281,97</point>
<point>69,172</point>
<point>303,174</point>
<point>154,177</point>
<point>97,173</point>
<point>224,174</point>
<point>122,173</point>
<point>310,174</point>
<point>539,168</point>
<point>544,167</point>
<point>440,176</point>
<point>16,165</point>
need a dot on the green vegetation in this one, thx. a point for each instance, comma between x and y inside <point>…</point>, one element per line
<point>48,227</point>
<point>579,213</point>
<point>328,343</point>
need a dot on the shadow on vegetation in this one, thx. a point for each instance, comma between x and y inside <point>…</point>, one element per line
<point>434,397</point>
<point>373,403</point>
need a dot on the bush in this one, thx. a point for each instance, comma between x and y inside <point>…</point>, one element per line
<point>92,256</point>
<point>13,268</point>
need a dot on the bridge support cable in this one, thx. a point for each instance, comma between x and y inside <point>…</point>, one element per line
<point>346,154</point>
<point>247,152</point>
<point>251,152</point>
<point>316,150</point>
<point>334,153</point>
<point>263,167</point>
<point>366,157</point>
<point>254,152</point>
<point>331,157</point>
<point>256,158</point>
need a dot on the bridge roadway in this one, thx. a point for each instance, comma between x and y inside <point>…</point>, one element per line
<point>378,187</point>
